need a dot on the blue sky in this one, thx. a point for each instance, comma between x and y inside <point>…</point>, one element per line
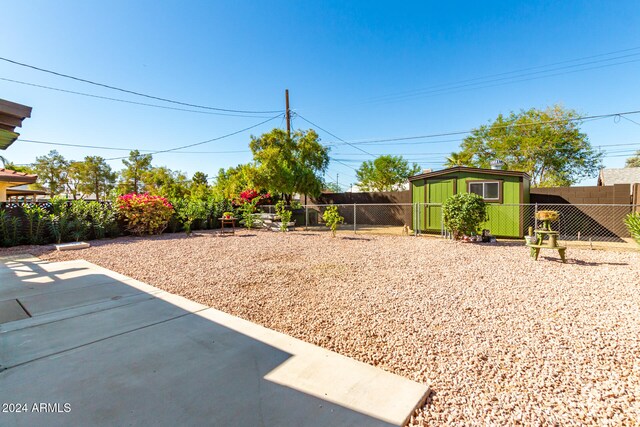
<point>361,70</point>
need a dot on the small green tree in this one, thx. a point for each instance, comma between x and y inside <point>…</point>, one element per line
<point>247,209</point>
<point>284,214</point>
<point>632,222</point>
<point>332,218</point>
<point>136,166</point>
<point>52,172</point>
<point>95,176</point>
<point>463,214</point>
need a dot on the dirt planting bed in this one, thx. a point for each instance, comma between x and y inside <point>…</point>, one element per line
<point>502,339</point>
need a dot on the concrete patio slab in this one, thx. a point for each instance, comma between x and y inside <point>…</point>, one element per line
<point>148,357</point>
<point>11,310</point>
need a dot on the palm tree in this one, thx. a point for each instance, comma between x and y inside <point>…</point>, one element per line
<point>4,161</point>
<point>458,159</point>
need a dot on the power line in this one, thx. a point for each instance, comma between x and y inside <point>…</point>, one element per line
<point>126,101</point>
<point>581,118</point>
<point>101,147</point>
<point>491,78</point>
<point>205,107</point>
<point>207,141</point>
<point>333,135</point>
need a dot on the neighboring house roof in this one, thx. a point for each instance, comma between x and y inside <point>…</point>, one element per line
<point>16,178</point>
<point>24,190</point>
<point>11,117</point>
<point>611,176</point>
<point>466,169</point>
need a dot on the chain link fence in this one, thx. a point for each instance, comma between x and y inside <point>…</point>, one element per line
<point>578,225</point>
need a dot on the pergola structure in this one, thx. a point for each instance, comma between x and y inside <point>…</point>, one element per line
<point>9,178</point>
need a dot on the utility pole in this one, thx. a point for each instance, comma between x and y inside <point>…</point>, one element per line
<point>337,176</point>
<point>288,112</point>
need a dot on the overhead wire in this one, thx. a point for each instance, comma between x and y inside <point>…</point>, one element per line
<point>207,141</point>
<point>132,92</point>
<point>455,86</point>
<point>107,98</point>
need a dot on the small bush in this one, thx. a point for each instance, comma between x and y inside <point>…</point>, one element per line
<point>144,214</point>
<point>190,210</point>
<point>632,221</point>
<point>9,229</point>
<point>36,222</point>
<point>332,218</point>
<point>463,214</point>
<point>284,214</point>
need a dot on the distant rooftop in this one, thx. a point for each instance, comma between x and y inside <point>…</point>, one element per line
<point>7,175</point>
<point>611,176</point>
<point>11,117</point>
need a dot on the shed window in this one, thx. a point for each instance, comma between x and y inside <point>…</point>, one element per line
<point>488,190</point>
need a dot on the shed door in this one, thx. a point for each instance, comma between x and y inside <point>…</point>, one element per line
<point>438,190</point>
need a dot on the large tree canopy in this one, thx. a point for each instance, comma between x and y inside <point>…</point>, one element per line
<point>385,173</point>
<point>232,181</point>
<point>547,144</point>
<point>289,165</point>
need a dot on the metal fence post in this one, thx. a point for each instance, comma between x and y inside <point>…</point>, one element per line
<point>354,217</point>
<point>306,217</point>
<point>535,216</point>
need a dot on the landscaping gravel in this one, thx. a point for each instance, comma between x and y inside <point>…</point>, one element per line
<point>501,339</point>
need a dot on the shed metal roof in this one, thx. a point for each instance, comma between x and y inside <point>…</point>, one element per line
<point>467,169</point>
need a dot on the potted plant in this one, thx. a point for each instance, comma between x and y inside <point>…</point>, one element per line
<point>227,215</point>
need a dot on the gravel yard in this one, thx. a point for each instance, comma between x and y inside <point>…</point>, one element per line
<point>501,339</point>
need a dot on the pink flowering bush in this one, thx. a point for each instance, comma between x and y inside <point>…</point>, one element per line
<point>249,195</point>
<point>144,214</point>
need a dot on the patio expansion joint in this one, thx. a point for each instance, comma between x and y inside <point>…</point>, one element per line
<point>74,308</point>
<point>4,368</point>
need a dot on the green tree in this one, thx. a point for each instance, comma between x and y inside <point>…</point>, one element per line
<point>385,173</point>
<point>232,181</point>
<point>162,181</point>
<point>546,144</point>
<point>73,180</point>
<point>131,176</point>
<point>288,165</point>
<point>332,187</point>
<point>634,161</point>
<point>52,172</point>
<point>200,178</point>
<point>95,176</point>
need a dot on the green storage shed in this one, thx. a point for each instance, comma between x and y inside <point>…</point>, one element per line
<point>504,191</point>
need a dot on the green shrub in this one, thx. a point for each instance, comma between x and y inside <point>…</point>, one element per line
<point>103,219</point>
<point>332,218</point>
<point>36,222</point>
<point>188,211</point>
<point>632,222</point>
<point>284,214</point>
<point>9,229</point>
<point>247,209</point>
<point>463,214</point>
